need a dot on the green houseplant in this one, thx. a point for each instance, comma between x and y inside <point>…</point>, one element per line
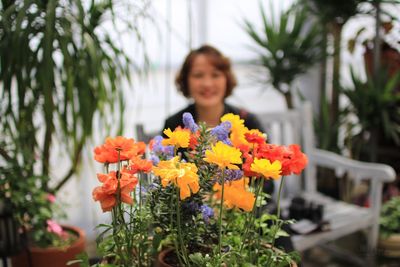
<point>375,104</point>
<point>390,228</point>
<point>60,70</point>
<point>286,48</point>
<point>332,16</point>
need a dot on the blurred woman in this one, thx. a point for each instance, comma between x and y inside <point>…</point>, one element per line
<point>206,77</point>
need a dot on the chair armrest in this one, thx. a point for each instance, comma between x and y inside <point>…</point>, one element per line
<point>355,168</point>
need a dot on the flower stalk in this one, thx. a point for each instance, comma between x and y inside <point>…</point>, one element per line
<point>220,216</point>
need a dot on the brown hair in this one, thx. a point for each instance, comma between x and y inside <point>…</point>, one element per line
<point>217,59</point>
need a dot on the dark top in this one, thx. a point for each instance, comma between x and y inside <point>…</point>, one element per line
<point>250,120</point>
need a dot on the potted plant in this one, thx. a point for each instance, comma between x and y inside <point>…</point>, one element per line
<point>389,241</point>
<point>202,199</point>
<point>63,72</point>
<point>37,239</point>
<point>332,16</point>
<point>286,48</point>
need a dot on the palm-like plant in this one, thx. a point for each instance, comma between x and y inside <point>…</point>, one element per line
<point>287,48</point>
<point>56,65</point>
<point>59,70</point>
<point>376,104</point>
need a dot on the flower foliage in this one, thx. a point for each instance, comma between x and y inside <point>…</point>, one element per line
<point>200,192</point>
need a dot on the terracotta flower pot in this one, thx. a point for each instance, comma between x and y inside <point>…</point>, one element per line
<point>166,252</point>
<point>390,246</point>
<point>162,256</point>
<point>52,257</point>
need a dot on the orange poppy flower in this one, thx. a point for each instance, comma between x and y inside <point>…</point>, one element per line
<point>255,137</point>
<point>138,164</point>
<point>127,148</point>
<point>294,162</point>
<point>194,140</point>
<point>247,166</point>
<point>271,152</point>
<point>107,192</point>
<point>236,195</point>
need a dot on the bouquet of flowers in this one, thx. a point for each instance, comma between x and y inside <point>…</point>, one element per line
<point>199,195</point>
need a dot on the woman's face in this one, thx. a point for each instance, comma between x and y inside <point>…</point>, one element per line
<point>207,84</point>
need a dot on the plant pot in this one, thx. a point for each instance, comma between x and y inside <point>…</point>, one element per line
<point>161,259</point>
<point>52,257</point>
<point>390,247</point>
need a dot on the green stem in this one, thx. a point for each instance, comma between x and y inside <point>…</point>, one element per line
<point>140,221</point>
<point>117,212</point>
<point>180,238</point>
<point>171,218</point>
<point>125,257</point>
<point>220,217</point>
<point>250,221</point>
<point>278,214</point>
<point>278,224</point>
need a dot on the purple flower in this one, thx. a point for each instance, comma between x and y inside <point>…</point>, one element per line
<point>207,213</point>
<point>230,175</point>
<point>233,175</point>
<point>227,141</point>
<point>221,132</point>
<point>155,159</point>
<point>189,123</point>
<point>158,148</point>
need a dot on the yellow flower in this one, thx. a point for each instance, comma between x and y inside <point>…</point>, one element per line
<point>236,195</point>
<point>183,175</point>
<point>235,120</point>
<point>224,156</point>
<point>237,130</point>
<point>266,168</point>
<point>178,138</point>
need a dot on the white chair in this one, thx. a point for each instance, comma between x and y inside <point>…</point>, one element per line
<point>142,135</point>
<point>296,126</point>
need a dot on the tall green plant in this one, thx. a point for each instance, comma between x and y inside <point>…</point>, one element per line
<point>59,70</point>
<point>333,15</point>
<point>287,48</point>
<point>375,103</point>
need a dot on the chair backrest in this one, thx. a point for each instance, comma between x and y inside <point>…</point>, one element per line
<point>143,136</point>
<point>293,127</point>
